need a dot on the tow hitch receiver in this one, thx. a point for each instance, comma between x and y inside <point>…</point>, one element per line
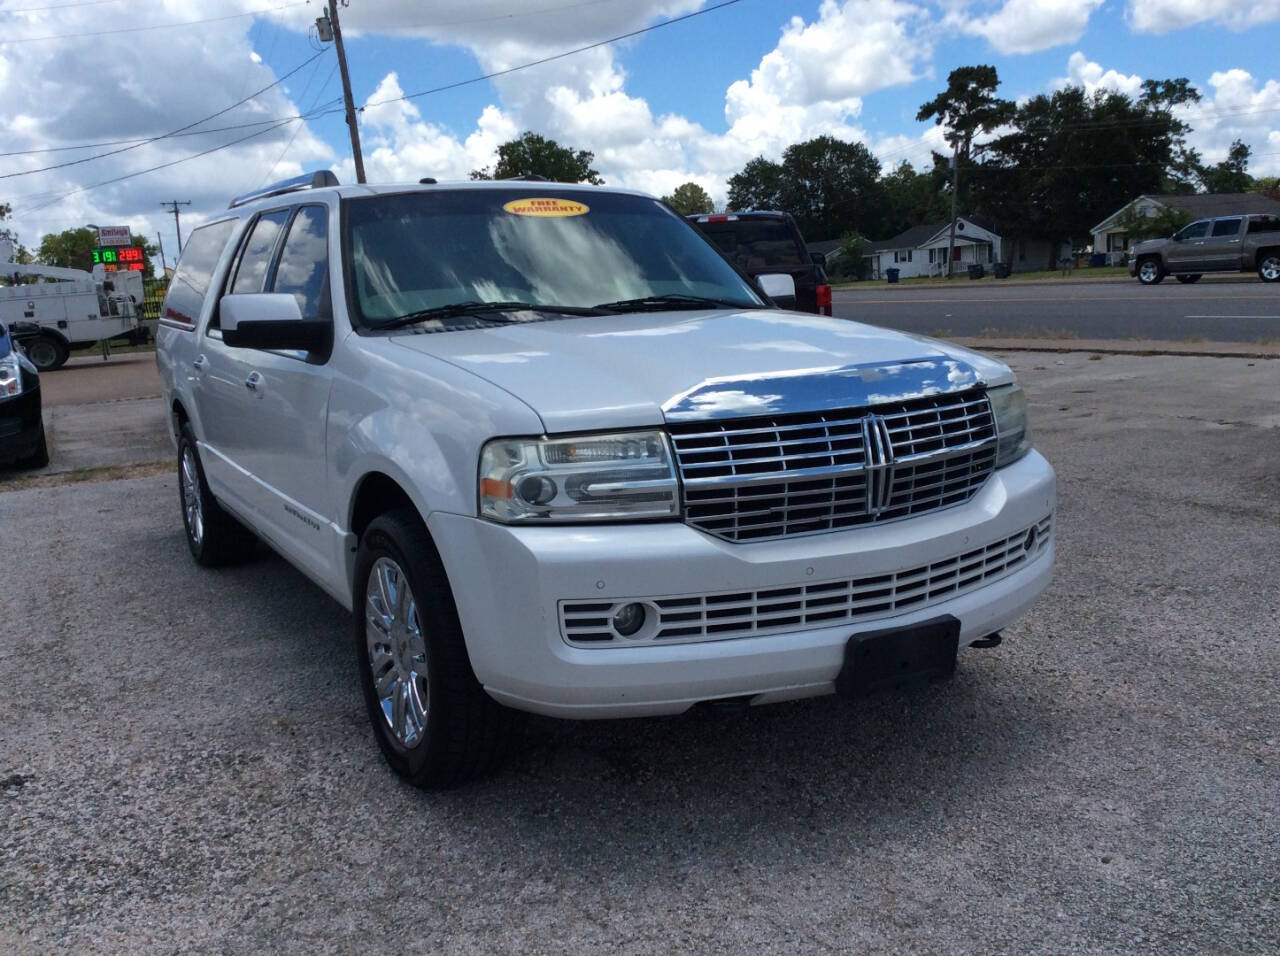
<point>899,657</point>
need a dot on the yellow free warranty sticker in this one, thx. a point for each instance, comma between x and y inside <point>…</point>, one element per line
<point>546,208</point>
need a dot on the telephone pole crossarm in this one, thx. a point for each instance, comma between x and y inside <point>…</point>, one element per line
<point>172,205</point>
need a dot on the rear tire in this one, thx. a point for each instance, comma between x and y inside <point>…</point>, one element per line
<point>214,537</point>
<point>434,723</point>
<point>39,457</point>
<point>46,352</point>
<point>1269,265</point>
<point>1187,280</point>
<point>1150,271</point>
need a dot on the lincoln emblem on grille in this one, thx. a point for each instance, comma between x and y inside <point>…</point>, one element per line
<point>878,447</point>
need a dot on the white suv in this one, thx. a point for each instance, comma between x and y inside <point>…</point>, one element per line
<point>557,455</point>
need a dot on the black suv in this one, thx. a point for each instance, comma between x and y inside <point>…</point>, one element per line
<point>21,427</point>
<point>759,243</point>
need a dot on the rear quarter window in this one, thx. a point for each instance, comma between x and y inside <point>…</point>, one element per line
<point>1264,224</point>
<point>191,280</point>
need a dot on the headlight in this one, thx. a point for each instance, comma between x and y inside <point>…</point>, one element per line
<point>1012,431</point>
<point>585,478</point>
<point>10,376</point>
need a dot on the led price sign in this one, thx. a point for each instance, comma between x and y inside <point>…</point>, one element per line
<point>124,257</point>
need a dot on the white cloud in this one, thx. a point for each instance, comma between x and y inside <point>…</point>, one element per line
<point>1025,26</point>
<point>1163,16</point>
<point>1239,108</point>
<point>1081,71</point>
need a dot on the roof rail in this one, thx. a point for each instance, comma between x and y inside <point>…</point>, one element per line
<point>526,178</point>
<point>316,180</point>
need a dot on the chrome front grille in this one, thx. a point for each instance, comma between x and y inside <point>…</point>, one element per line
<point>780,475</point>
<point>721,616</point>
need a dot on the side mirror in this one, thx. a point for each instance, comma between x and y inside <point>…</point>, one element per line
<point>780,287</point>
<point>1176,237</point>
<point>271,320</point>
<point>818,259</point>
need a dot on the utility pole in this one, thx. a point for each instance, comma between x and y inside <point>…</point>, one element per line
<point>335,28</point>
<point>164,264</point>
<point>172,205</point>
<point>955,195</point>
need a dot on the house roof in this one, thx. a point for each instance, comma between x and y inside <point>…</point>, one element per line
<point>824,246</point>
<point>909,238</point>
<point>1204,205</point>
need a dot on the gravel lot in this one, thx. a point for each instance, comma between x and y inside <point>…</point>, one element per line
<point>184,759</point>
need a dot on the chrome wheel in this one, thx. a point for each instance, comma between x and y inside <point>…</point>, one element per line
<point>192,512</point>
<point>1270,269</point>
<point>397,651</point>
<point>1148,271</point>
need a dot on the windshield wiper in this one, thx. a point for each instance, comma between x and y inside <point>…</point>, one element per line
<point>474,307</point>
<point>672,301</point>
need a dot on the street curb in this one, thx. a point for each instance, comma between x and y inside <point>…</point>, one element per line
<point>1125,347</point>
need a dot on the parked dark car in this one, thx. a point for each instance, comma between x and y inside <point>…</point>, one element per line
<point>21,426</point>
<point>759,243</point>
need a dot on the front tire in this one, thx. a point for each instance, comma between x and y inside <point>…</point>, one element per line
<point>1150,272</point>
<point>214,537</point>
<point>1188,280</point>
<point>1269,266</point>
<point>434,723</point>
<point>39,457</point>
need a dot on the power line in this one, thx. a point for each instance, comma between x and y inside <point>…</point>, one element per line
<point>181,129</point>
<point>58,6</point>
<point>153,26</point>
<point>524,66</point>
<point>140,172</point>
<point>557,56</point>
<point>297,129</point>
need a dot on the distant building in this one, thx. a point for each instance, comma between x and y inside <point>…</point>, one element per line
<point>1115,243</point>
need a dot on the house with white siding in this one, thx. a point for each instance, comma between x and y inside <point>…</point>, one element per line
<point>922,250</point>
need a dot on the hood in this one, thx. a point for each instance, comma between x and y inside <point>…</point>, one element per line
<point>646,369</point>
<point>1148,245</point>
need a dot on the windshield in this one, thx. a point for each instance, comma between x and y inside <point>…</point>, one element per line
<point>755,245</point>
<point>412,252</point>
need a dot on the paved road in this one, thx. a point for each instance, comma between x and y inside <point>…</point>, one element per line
<point>185,761</point>
<point>1213,310</point>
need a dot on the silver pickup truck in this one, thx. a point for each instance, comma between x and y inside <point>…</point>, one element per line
<point>1225,244</point>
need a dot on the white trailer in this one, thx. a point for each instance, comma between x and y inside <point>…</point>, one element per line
<point>73,311</point>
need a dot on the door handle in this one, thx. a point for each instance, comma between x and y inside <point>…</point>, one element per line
<point>254,382</point>
<point>199,363</point>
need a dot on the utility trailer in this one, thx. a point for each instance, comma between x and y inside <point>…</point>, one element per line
<point>74,311</point>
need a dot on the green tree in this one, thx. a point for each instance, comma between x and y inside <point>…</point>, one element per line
<point>1232,174</point>
<point>831,186</point>
<point>967,108</point>
<point>689,199</point>
<point>1164,223</point>
<point>1073,157</point>
<point>850,263</point>
<point>912,198</point>
<point>757,186</point>
<point>69,249</point>
<point>534,155</point>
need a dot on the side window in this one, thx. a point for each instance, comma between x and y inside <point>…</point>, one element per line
<point>251,273</point>
<point>190,282</point>
<point>1197,230</point>
<point>1264,224</point>
<point>303,269</point>
<point>1225,228</point>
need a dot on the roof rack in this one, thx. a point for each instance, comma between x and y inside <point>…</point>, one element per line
<point>316,180</point>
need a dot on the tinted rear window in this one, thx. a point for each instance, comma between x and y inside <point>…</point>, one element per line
<point>1264,224</point>
<point>191,281</point>
<point>755,244</point>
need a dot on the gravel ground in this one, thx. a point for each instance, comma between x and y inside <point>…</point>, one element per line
<point>184,759</point>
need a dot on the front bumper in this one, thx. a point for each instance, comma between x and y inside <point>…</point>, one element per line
<point>509,583</point>
<point>20,424</point>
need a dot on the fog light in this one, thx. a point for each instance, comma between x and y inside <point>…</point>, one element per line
<point>629,619</point>
<point>537,490</point>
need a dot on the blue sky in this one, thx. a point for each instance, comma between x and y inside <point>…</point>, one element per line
<point>694,100</point>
